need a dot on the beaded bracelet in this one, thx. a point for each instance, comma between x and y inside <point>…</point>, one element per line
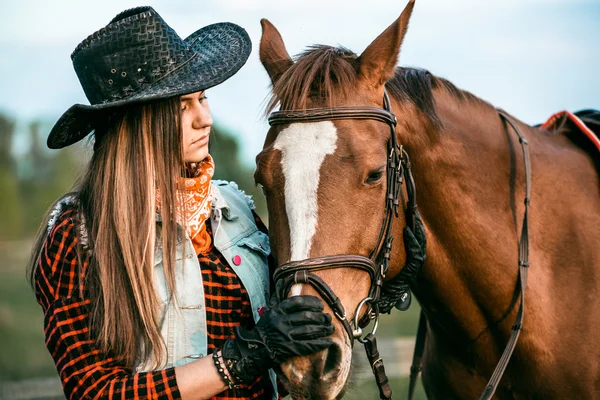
<point>226,376</point>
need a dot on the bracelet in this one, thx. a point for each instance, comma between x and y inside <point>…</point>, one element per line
<point>224,371</point>
<point>234,375</point>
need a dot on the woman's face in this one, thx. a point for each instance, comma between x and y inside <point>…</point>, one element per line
<point>195,122</point>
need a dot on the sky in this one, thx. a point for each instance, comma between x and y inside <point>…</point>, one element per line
<point>529,57</point>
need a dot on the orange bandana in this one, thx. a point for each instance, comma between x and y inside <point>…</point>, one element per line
<point>196,195</point>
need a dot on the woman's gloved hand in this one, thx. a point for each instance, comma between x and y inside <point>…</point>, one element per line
<point>295,327</point>
<point>396,291</point>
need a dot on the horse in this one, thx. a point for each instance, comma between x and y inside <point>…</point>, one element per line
<point>325,185</point>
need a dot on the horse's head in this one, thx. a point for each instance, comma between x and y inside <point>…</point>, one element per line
<point>326,186</point>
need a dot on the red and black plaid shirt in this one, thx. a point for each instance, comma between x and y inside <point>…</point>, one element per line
<point>85,371</point>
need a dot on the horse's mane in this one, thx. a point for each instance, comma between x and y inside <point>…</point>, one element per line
<point>321,69</point>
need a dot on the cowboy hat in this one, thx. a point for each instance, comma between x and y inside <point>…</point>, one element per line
<point>137,58</point>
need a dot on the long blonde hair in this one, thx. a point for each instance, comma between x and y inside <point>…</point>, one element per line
<point>136,153</point>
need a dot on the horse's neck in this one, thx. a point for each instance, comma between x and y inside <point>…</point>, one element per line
<point>470,178</point>
<point>467,197</point>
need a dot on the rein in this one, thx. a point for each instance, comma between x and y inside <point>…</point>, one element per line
<point>494,381</point>
<point>377,264</point>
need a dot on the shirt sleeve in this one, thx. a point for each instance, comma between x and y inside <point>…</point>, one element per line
<point>85,371</point>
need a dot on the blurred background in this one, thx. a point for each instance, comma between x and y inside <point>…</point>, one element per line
<point>530,57</point>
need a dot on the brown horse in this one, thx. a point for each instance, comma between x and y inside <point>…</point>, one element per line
<point>325,186</point>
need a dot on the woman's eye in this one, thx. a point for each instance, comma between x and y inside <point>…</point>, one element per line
<point>183,108</point>
<point>374,177</point>
<point>201,99</point>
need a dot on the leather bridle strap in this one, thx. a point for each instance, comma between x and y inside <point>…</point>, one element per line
<point>523,269</point>
<point>328,262</point>
<point>299,271</point>
<point>322,114</point>
<point>417,363</point>
<point>394,181</point>
<point>302,276</point>
<point>492,385</point>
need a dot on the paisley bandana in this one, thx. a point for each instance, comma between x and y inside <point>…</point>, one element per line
<point>196,195</point>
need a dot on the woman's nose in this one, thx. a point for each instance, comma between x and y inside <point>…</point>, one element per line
<point>203,118</point>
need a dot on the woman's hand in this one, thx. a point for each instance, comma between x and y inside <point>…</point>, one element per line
<point>295,327</point>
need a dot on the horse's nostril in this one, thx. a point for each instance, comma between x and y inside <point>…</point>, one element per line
<point>333,358</point>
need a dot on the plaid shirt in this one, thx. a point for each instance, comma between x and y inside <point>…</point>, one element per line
<point>87,372</point>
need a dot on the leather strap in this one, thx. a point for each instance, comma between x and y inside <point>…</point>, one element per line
<point>321,114</point>
<point>492,385</point>
<point>303,276</point>
<point>376,363</point>
<point>494,381</point>
<point>327,262</point>
<point>417,364</point>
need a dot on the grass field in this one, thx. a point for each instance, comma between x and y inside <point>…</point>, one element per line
<point>22,350</point>
<point>367,390</point>
<point>23,354</point>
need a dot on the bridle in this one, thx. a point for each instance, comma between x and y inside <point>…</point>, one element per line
<point>377,264</point>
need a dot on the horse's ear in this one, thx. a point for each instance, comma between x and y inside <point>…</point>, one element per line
<point>273,55</point>
<point>378,61</point>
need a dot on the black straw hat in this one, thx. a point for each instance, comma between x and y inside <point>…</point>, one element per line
<point>137,57</point>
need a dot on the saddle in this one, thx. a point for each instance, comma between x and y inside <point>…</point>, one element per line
<point>585,121</point>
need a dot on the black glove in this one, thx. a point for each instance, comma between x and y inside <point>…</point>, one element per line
<point>295,327</point>
<point>396,292</point>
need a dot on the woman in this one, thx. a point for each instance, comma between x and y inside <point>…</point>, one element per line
<point>152,277</point>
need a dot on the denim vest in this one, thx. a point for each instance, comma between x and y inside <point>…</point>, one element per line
<point>235,236</point>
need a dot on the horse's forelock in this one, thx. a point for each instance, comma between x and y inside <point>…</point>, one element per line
<point>315,74</point>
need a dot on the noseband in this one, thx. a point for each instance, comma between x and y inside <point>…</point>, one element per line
<point>377,264</point>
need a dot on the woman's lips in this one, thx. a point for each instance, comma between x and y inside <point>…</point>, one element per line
<point>201,139</point>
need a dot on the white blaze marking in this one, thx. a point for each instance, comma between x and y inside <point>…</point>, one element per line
<point>303,148</point>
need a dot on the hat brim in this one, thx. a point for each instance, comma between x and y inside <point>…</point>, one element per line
<point>221,50</point>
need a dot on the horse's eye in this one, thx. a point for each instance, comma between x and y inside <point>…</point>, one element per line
<point>374,176</point>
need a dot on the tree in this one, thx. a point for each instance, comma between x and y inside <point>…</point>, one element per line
<point>48,175</point>
<point>11,211</point>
